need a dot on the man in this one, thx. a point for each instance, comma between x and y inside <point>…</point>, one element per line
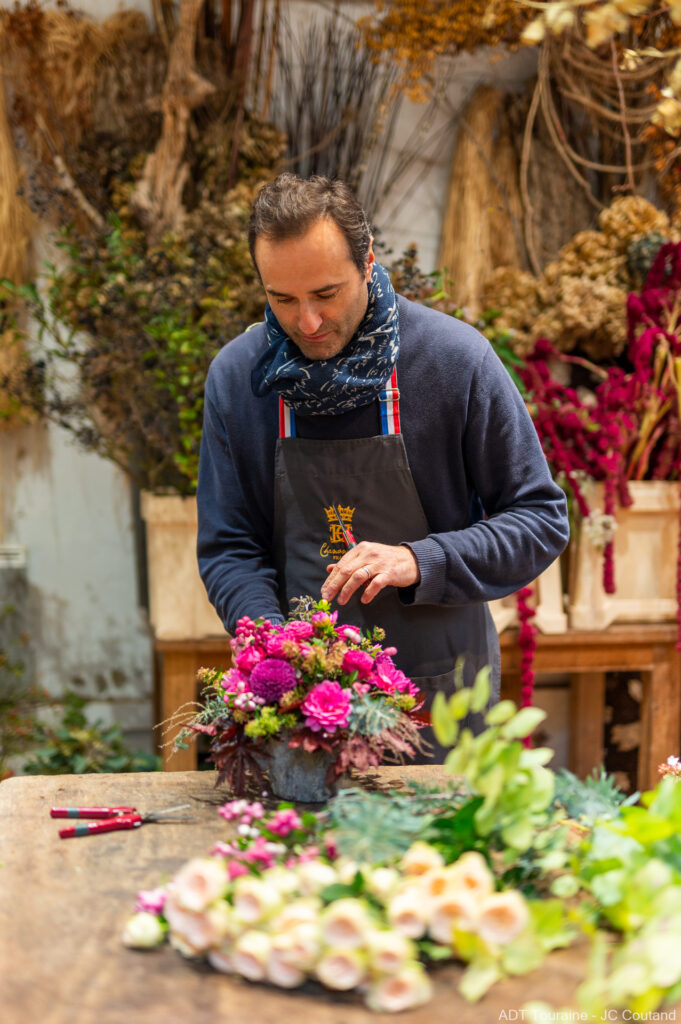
<point>351,403</point>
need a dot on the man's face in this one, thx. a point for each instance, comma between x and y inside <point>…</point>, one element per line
<point>315,290</point>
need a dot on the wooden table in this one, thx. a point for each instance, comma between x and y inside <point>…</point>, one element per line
<point>648,649</point>
<point>64,903</point>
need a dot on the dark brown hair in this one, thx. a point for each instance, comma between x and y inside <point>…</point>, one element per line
<point>288,206</point>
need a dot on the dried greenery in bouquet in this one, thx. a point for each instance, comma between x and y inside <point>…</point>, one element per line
<point>324,688</point>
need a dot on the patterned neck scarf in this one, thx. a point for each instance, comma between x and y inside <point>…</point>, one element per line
<point>347,381</point>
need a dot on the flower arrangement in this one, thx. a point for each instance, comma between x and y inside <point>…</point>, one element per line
<point>315,685</point>
<point>627,427</point>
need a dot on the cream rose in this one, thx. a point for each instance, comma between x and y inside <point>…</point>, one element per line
<point>389,951</point>
<point>454,908</point>
<point>314,875</point>
<point>503,916</point>
<point>221,960</point>
<point>345,923</point>
<point>408,912</point>
<point>299,912</point>
<point>382,882</point>
<point>341,969</point>
<point>199,932</point>
<point>407,988</point>
<point>200,882</point>
<point>419,858</point>
<point>143,931</point>
<point>299,946</point>
<point>251,954</point>
<point>255,899</point>
<point>472,873</point>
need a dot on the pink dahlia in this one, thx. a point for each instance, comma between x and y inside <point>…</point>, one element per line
<point>390,678</point>
<point>359,662</point>
<point>327,707</point>
<point>272,678</point>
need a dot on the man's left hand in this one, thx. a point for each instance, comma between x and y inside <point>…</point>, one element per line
<point>373,566</point>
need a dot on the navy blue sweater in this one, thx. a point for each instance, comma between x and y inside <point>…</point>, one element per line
<point>496,517</point>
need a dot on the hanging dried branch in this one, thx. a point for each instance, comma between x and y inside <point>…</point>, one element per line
<point>157,199</point>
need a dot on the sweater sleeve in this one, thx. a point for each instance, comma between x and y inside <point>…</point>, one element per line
<point>233,544</point>
<point>521,525</point>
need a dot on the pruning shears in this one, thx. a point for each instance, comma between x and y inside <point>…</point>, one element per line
<point>113,819</point>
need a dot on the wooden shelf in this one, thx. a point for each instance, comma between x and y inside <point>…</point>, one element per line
<point>648,649</point>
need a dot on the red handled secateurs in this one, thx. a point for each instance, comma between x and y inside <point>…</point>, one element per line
<point>112,819</point>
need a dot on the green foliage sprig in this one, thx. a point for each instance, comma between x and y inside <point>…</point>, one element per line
<point>77,746</point>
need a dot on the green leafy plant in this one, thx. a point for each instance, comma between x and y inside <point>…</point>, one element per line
<point>596,797</point>
<point>19,699</point>
<point>77,746</point>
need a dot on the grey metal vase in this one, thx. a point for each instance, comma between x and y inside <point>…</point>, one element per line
<point>295,774</point>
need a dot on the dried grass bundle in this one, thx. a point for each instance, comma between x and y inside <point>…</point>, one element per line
<point>15,216</point>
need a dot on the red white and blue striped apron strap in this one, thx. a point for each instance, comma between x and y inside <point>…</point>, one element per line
<point>389,400</point>
<point>287,421</point>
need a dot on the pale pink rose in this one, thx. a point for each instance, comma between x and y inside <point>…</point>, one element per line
<point>503,916</point>
<point>190,930</point>
<point>472,873</point>
<point>250,955</point>
<point>359,662</point>
<point>420,858</point>
<point>221,960</point>
<point>199,882</point>
<point>282,972</point>
<point>305,911</point>
<point>389,951</point>
<point>327,707</point>
<point>401,991</point>
<point>455,908</point>
<point>408,912</point>
<point>345,923</point>
<point>342,969</point>
<point>255,899</point>
<point>299,946</point>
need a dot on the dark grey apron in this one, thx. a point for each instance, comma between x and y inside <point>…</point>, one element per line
<point>369,481</point>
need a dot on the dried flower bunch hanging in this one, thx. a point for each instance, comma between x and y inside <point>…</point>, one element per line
<point>579,301</point>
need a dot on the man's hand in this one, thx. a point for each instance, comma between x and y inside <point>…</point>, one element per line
<point>373,566</point>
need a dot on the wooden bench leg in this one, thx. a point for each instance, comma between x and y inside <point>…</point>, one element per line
<point>587,718</point>
<point>660,718</point>
<point>178,685</point>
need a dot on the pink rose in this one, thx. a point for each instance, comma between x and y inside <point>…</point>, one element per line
<point>292,633</point>
<point>359,662</point>
<point>349,633</point>
<point>390,678</point>
<point>327,707</point>
<point>247,659</point>
<point>234,681</point>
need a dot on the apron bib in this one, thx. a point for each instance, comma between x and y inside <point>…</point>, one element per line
<point>370,483</point>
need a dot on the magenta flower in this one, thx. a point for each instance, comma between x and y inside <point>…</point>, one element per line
<point>234,681</point>
<point>359,662</point>
<point>327,707</point>
<point>247,659</point>
<point>151,901</point>
<point>388,677</point>
<point>349,633</point>
<point>292,633</point>
<point>272,678</point>
<point>284,822</point>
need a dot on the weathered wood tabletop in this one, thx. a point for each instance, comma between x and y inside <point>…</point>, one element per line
<point>63,905</point>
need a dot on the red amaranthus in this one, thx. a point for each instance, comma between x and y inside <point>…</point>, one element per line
<point>626,425</point>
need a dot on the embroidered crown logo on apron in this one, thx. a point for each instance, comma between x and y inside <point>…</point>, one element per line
<point>334,549</point>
